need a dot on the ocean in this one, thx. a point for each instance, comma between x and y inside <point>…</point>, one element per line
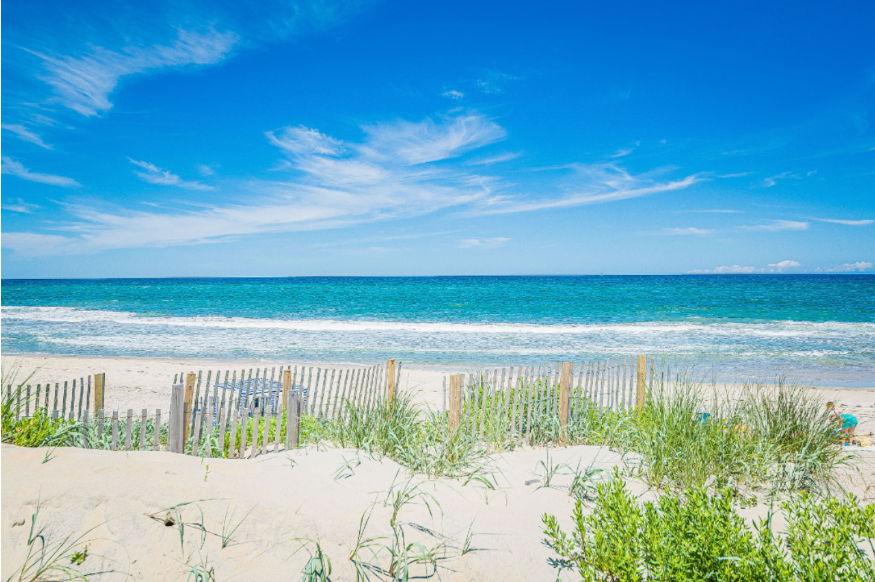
<point>813,328</point>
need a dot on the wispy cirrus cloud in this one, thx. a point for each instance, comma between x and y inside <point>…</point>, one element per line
<point>483,243</point>
<point>84,82</point>
<point>79,55</point>
<point>773,180</point>
<point>304,141</point>
<point>777,225</point>
<point>588,184</point>
<point>14,168</point>
<point>453,94</point>
<point>725,270</point>
<point>688,231</point>
<point>162,177</point>
<point>399,169</point>
<point>714,211</point>
<point>22,207</point>
<point>396,170</point>
<point>858,267</point>
<point>845,222</point>
<point>26,135</point>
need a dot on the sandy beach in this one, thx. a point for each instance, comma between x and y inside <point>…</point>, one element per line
<point>145,382</point>
<point>292,499</point>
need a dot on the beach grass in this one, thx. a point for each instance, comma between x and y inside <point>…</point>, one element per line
<point>758,434</point>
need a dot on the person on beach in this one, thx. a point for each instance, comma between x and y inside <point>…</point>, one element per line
<point>848,422</point>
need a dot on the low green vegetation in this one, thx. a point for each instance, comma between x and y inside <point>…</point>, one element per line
<point>698,535</point>
<point>775,435</point>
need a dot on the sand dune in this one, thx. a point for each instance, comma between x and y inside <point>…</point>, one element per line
<point>284,497</point>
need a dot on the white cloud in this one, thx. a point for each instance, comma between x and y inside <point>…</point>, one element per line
<point>783,265</point>
<point>14,168</point>
<point>714,211</point>
<point>390,174</point>
<point>26,135</point>
<point>418,143</point>
<point>846,222</point>
<point>726,270</point>
<point>859,266</point>
<point>205,170</point>
<point>622,153</point>
<point>21,206</point>
<point>84,83</point>
<point>688,231</point>
<point>772,180</point>
<point>32,244</point>
<point>156,175</point>
<point>778,225</point>
<point>303,141</point>
<point>491,83</point>
<point>453,94</point>
<point>397,170</point>
<point>589,184</point>
<point>494,159</point>
<point>483,243</point>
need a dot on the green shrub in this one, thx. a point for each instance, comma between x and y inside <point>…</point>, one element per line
<point>697,536</point>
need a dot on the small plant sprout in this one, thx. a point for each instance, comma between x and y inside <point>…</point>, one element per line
<point>347,469</point>
<point>228,527</point>
<point>547,471</point>
<point>318,569</point>
<point>48,456</point>
<point>583,483</point>
<point>78,557</point>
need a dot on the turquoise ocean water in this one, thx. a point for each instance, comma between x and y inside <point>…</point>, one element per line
<point>816,328</point>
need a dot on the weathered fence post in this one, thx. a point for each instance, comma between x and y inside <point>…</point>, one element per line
<point>390,376</point>
<point>176,427</point>
<point>293,419</point>
<point>642,383</point>
<point>455,401</point>
<point>564,394</point>
<point>190,380</point>
<point>286,385</point>
<point>99,385</point>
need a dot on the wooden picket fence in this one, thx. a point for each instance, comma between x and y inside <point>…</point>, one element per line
<point>228,401</point>
<point>29,397</point>
<point>517,399</point>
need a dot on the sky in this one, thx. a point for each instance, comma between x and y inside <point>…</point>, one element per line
<point>185,138</point>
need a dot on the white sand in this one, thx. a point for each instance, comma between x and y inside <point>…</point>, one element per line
<point>80,489</point>
<point>145,382</point>
<point>115,491</point>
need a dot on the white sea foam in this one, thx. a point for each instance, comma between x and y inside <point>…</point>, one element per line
<point>831,352</point>
<point>767,329</point>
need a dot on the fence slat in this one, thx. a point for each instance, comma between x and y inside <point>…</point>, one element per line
<point>176,427</point>
<point>232,438</point>
<point>211,402</point>
<point>128,424</point>
<point>196,433</point>
<point>293,419</point>
<point>244,421</point>
<point>156,434</point>
<point>267,419</point>
<point>114,445</point>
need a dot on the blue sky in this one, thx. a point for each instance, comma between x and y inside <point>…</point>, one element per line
<point>412,138</point>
